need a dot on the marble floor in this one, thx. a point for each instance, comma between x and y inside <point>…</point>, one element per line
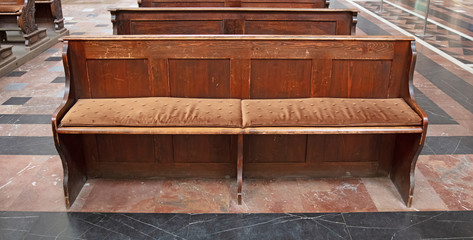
<point>358,208</point>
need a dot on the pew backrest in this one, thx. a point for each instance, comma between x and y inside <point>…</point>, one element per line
<point>240,66</point>
<point>133,21</point>
<point>236,3</point>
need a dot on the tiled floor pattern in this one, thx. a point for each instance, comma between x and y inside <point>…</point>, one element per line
<point>31,171</point>
<point>452,13</point>
<point>449,42</point>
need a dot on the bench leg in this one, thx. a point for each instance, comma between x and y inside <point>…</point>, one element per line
<point>70,151</point>
<point>240,168</point>
<point>407,150</point>
<point>3,36</point>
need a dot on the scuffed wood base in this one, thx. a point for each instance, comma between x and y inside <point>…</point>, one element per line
<point>33,39</point>
<point>6,55</point>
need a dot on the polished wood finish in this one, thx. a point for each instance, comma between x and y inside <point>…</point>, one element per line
<point>49,14</point>
<point>278,21</point>
<point>236,3</point>
<point>21,17</point>
<point>243,67</point>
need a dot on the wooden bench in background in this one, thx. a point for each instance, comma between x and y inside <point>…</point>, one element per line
<point>236,3</point>
<point>130,21</point>
<point>348,77</point>
<point>49,15</point>
<point>20,15</point>
<point>5,55</point>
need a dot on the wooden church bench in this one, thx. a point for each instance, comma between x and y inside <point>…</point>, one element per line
<point>252,106</point>
<point>236,3</point>
<point>49,14</point>
<point>132,21</point>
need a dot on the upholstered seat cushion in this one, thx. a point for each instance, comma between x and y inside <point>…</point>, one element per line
<point>10,8</point>
<point>328,112</point>
<point>155,111</point>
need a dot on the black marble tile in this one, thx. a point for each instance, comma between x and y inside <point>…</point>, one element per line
<point>151,226</point>
<point>52,50</point>
<point>25,119</point>
<point>354,226</point>
<point>59,80</point>
<point>16,73</point>
<point>448,145</point>
<point>435,113</point>
<point>20,145</point>
<point>53,59</point>
<point>16,101</point>
<point>267,226</point>
<point>16,225</point>
<point>410,225</point>
<point>77,33</point>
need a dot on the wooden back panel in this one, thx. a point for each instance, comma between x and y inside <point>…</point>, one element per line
<point>238,66</point>
<point>12,2</point>
<point>236,3</point>
<point>282,21</point>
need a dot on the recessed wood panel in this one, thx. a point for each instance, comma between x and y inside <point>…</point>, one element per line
<point>125,148</point>
<point>203,149</point>
<point>277,5</point>
<point>177,27</point>
<point>352,148</point>
<point>188,4</point>
<point>291,27</point>
<point>280,78</point>
<point>275,148</point>
<point>206,78</point>
<point>119,78</point>
<point>360,78</point>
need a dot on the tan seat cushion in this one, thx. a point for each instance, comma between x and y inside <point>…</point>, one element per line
<point>10,8</point>
<point>328,112</point>
<point>155,111</point>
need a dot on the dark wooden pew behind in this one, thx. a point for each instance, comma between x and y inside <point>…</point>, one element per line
<point>49,15</point>
<point>236,3</point>
<point>19,15</point>
<point>279,21</point>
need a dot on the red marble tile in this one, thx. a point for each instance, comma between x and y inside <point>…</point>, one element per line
<point>386,197</point>
<point>450,130</point>
<point>269,196</point>
<point>45,190</point>
<point>25,130</point>
<point>451,176</point>
<point>119,196</point>
<point>40,105</point>
<point>195,196</point>
<point>16,173</point>
<point>336,195</point>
